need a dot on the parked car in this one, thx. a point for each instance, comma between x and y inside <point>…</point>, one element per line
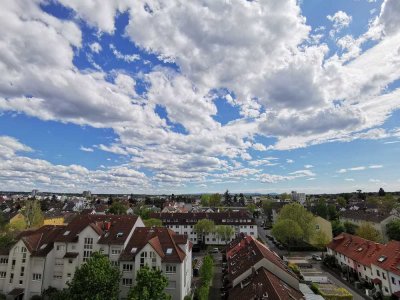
<point>214,250</point>
<point>316,257</point>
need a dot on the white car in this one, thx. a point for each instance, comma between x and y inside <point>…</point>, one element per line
<point>316,257</point>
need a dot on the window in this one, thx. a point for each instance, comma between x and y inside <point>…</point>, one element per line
<point>378,273</point>
<point>251,233</point>
<point>11,277</point>
<point>393,281</point>
<point>88,248</point>
<point>22,271</point>
<point>127,281</point>
<point>23,250</point>
<point>60,247</point>
<point>171,285</point>
<point>382,258</point>
<point>127,267</point>
<point>115,251</point>
<point>143,257</point>
<point>251,226</point>
<point>317,227</point>
<point>36,276</point>
<point>3,274</point>
<point>57,276</point>
<point>115,263</point>
<point>23,257</point>
<point>386,289</point>
<point>383,275</point>
<point>21,282</point>
<point>68,275</point>
<point>170,269</point>
<point>70,260</point>
<point>3,261</point>
<point>59,262</point>
<point>13,264</point>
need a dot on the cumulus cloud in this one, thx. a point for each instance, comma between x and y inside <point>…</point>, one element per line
<point>86,149</point>
<point>95,47</point>
<point>339,21</point>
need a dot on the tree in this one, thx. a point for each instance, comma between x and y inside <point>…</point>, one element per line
<point>33,214</point>
<point>207,270</point>
<point>6,240</point>
<point>150,284</point>
<point>152,222</point>
<point>341,201</point>
<point>332,212</point>
<point>287,231</point>
<point>225,232</point>
<point>143,212</point>
<point>387,203</point>
<point>284,196</point>
<point>368,232</point>
<point>204,227</point>
<point>393,229</point>
<point>227,197</point>
<point>215,200</point>
<point>350,227</point>
<point>235,198</point>
<point>267,208</point>
<point>251,208</point>
<point>95,280</point>
<point>117,208</point>
<point>205,200</point>
<point>241,199</point>
<point>321,209</point>
<point>337,227</point>
<point>321,240</point>
<point>110,200</point>
<point>297,213</point>
<point>381,192</point>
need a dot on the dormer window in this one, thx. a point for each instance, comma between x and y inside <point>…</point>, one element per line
<point>382,258</point>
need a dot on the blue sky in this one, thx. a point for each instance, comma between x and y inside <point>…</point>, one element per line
<point>174,97</point>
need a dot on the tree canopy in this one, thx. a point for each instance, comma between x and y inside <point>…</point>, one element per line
<point>393,229</point>
<point>118,208</point>
<point>97,279</point>
<point>287,231</point>
<point>150,284</point>
<point>215,200</point>
<point>33,214</point>
<point>304,219</point>
<point>225,232</point>
<point>152,222</point>
<point>368,232</point>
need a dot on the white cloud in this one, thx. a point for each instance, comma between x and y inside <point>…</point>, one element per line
<point>125,57</point>
<point>95,47</point>
<point>375,166</point>
<point>308,166</point>
<point>349,179</point>
<point>289,161</point>
<point>340,20</point>
<point>86,149</point>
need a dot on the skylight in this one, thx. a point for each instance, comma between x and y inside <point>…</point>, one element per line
<point>360,249</point>
<point>67,232</point>
<point>169,251</point>
<point>133,250</point>
<point>43,246</point>
<point>382,258</point>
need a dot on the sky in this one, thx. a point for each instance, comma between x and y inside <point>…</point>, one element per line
<point>175,96</point>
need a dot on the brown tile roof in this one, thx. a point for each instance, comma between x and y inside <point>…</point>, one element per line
<point>120,226</point>
<point>356,248</point>
<point>247,253</point>
<point>190,218</point>
<point>364,216</point>
<point>39,242</point>
<point>264,283</point>
<point>160,239</point>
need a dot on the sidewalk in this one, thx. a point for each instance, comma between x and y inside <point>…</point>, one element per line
<point>215,289</point>
<point>357,294</point>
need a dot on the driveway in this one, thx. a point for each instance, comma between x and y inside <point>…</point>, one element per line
<point>215,289</point>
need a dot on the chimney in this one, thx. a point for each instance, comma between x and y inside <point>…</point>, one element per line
<point>107,225</point>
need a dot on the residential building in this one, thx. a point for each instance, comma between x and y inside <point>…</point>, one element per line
<point>299,197</point>
<point>161,248</point>
<point>49,255</point>
<point>373,262</point>
<point>254,272</point>
<point>377,220</point>
<point>183,223</point>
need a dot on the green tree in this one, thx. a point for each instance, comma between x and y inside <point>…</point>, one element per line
<point>215,200</point>
<point>150,285</point>
<point>284,196</point>
<point>97,279</point>
<point>205,200</point>
<point>33,214</point>
<point>321,209</point>
<point>251,208</point>
<point>350,227</point>
<point>225,232</point>
<point>304,219</point>
<point>341,201</point>
<point>320,240</point>
<point>381,192</point>
<point>118,208</point>
<point>204,227</point>
<point>6,240</point>
<point>267,208</point>
<point>368,232</point>
<point>152,222</point>
<point>332,212</point>
<point>337,227</point>
<point>227,198</point>
<point>143,212</point>
<point>393,229</point>
<point>287,231</point>
<point>207,270</point>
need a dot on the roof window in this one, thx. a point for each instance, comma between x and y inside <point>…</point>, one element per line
<point>67,232</point>
<point>382,258</point>
<point>169,251</point>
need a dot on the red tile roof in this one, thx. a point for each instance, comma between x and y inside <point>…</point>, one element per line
<point>390,255</point>
<point>356,248</point>
<point>160,239</point>
<point>264,283</point>
<point>39,242</point>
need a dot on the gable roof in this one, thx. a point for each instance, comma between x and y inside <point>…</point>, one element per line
<point>264,283</point>
<point>160,239</point>
<point>39,242</point>
<point>356,248</point>
<point>391,257</point>
<point>362,215</point>
<point>119,228</point>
